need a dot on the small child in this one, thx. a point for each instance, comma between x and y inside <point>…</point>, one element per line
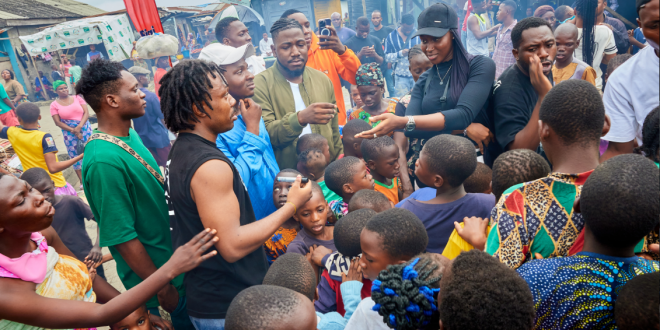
<point>293,271</point>
<point>36,148</point>
<point>352,145</point>
<point>270,307</point>
<point>566,65</point>
<point>620,206</point>
<point>444,163</point>
<point>312,217</point>
<point>480,182</point>
<point>637,304</point>
<point>138,320</point>
<point>347,240</point>
<point>345,177</point>
<point>391,237</point>
<point>69,219</point>
<point>314,141</point>
<point>382,157</point>
<point>479,293</point>
<point>278,243</point>
<point>369,199</point>
<point>312,164</point>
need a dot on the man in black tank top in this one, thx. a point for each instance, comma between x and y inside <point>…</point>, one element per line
<point>204,190</point>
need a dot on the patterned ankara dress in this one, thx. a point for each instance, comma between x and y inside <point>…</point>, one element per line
<point>277,244</point>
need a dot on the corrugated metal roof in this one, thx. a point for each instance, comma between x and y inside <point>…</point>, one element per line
<point>75,7</point>
<point>6,15</point>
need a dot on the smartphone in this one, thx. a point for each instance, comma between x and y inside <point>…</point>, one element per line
<point>322,27</point>
<point>291,180</point>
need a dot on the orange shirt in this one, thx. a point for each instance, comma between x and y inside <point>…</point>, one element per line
<point>334,65</point>
<point>391,191</point>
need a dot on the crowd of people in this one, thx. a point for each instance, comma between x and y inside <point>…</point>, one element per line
<point>471,185</point>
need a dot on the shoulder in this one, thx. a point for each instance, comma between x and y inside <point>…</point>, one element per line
<point>482,62</point>
<point>486,200</point>
<point>541,271</point>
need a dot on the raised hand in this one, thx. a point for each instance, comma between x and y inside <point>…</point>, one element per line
<point>332,41</point>
<point>473,231</point>
<point>251,112</point>
<point>299,193</point>
<point>354,272</point>
<point>188,256</point>
<point>539,81</point>
<point>317,113</point>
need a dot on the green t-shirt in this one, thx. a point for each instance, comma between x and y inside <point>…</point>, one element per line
<point>75,71</point>
<point>128,202</point>
<point>4,108</point>
<point>328,194</point>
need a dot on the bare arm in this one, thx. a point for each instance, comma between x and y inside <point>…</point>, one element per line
<point>54,166</point>
<point>60,124</point>
<point>212,190</point>
<point>84,117</point>
<point>617,148</point>
<point>607,58</point>
<point>402,142</point>
<point>9,103</point>
<point>473,25</point>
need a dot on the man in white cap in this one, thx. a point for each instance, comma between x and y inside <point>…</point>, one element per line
<point>150,127</point>
<point>247,145</point>
<point>232,32</point>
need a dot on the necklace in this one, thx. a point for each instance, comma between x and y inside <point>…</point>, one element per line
<point>442,80</point>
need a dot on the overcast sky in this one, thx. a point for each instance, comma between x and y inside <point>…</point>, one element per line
<point>111,5</point>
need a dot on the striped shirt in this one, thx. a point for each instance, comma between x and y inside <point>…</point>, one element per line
<point>394,45</point>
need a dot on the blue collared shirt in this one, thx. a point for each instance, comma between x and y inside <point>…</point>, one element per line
<point>255,161</point>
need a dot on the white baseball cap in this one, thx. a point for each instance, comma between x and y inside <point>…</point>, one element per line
<point>222,54</point>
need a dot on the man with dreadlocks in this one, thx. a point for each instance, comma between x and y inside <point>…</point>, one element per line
<point>295,98</point>
<point>205,190</point>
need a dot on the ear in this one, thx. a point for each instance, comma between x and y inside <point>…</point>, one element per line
<point>39,117</point>
<point>112,101</point>
<point>272,48</point>
<point>316,294</point>
<point>544,131</point>
<point>311,175</point>
<point>371,165</point>
<point>356,146</point>
<point>198,113</point>
<point>606,125</point>
<point>576,206</point>
<point>490,188</point>
<point>577,44</point>
<point>515,53</point>
<point>347,189</point>
<point>438,181</point>
<point>225,41</point>
<point>639,23</point>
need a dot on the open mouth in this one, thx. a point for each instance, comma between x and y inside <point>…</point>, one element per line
<point>317,228</point>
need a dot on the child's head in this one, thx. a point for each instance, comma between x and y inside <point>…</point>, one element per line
<point>347,176</point>
<point>39,179</point>
<point>269,307</point>
<point>517,166</point>
<point>566,38</point>
<point>619,201</point>
<point>281,189</point>
<point>651,136</point>
<point>348,229</point>
<point>352,145</point>
<point>480,180</point>
<point>636,307</point>
<point>474,290</point>
<point>138,320</point>
<point>292,271</point>
<point>355,96</point>
<point>420,297</point>
<point>314,141</point>
<point>419,62</point>
<point>382,156</point>
<point>313,215</point>
<point>312,163</point>
<point>369,199</point>
<point>572,114</point>
<point>391,237</point>
<point>28,113</point>
<point>31,213</point>
<point>446,160</point>
<point>614,63</point>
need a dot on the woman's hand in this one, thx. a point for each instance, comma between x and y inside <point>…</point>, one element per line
<point>389,122</point>
<point>190,255</point>
<point>480,134</point>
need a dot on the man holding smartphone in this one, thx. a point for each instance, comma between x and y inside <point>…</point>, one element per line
<point>367,47</point>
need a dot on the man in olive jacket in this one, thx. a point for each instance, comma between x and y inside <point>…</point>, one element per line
<point>295,99</point>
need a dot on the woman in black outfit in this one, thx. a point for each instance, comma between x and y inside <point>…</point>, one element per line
<point>450,95</point>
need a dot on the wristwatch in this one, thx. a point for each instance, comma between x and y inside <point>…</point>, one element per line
<point>410,126</point>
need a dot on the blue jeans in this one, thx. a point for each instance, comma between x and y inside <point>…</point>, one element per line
<point>389,80</point>
<point>180,318</point>
<point>402,85</point>
<point>208,324</point>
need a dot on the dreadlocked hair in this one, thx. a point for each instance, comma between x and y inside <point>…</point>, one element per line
<point>185,85</point>
<point>586,9</point>
<point>651,136</point>
<point>406,295</point>
<point>284,24</point>
<point>416,50</point>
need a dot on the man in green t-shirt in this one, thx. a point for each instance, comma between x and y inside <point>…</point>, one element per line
<point>128,201</point>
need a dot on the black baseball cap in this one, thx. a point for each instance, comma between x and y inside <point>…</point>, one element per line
<point>436,20</point>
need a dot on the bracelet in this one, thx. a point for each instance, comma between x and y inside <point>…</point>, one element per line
<point>465,132</point>
<point>294,207</point>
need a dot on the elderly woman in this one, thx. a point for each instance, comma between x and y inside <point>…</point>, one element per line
<point>70,113</point>
<point>14,89</point>
<point>547,13</point>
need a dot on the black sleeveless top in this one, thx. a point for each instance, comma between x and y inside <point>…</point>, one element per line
<point>210,287</point>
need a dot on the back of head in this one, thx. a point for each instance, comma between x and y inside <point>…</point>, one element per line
<point>185,85</point>
<point>408,19</point>
<point>574,110</point>
<point>561,12</point>
<point>619,200</point>
<point>542,10</point>
<point>35,175</point>
<point>369,199</point>
<point>373,148</point>
<point>511,5</point>
<point>290,12</point>
<point>339,173</point>
<point>222,28</point>
<point>414,51</point>
<point>517,166</point>
<point>354,127</point>
<point>363,21</point>
<point>651,136</point>
<point>98,79</point>
<point>636,307</point>
<point>311,141</point>
<point>312,161</point>
<point>476,290</point>
<point>452,157</point>
<point>403,234</point>
<point>526,24</point>
<point>283,24</point>
<point>347,232</point>
<point>479,181</point>
<point>262,307</point>
<point>292,271</point>
<point>28,112</point>
<point>616,62</point>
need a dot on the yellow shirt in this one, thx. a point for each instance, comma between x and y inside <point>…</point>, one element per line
<point>456,244</point>
<point>566,73</point>
<point>30,146</point>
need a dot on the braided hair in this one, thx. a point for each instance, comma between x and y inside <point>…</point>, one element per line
<point>185,85</point>
<point>406,295</point>
<point>651,136</point>
<point>414,51</point>
<point>284,24</point>
<point>586,9</point>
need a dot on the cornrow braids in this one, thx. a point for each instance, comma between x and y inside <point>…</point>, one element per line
<point>586,9</point>
<point>416,50</point>
<point>651,136</point>
<point>284,24</point>
<point>185,85</point>
<point>406,295</point>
